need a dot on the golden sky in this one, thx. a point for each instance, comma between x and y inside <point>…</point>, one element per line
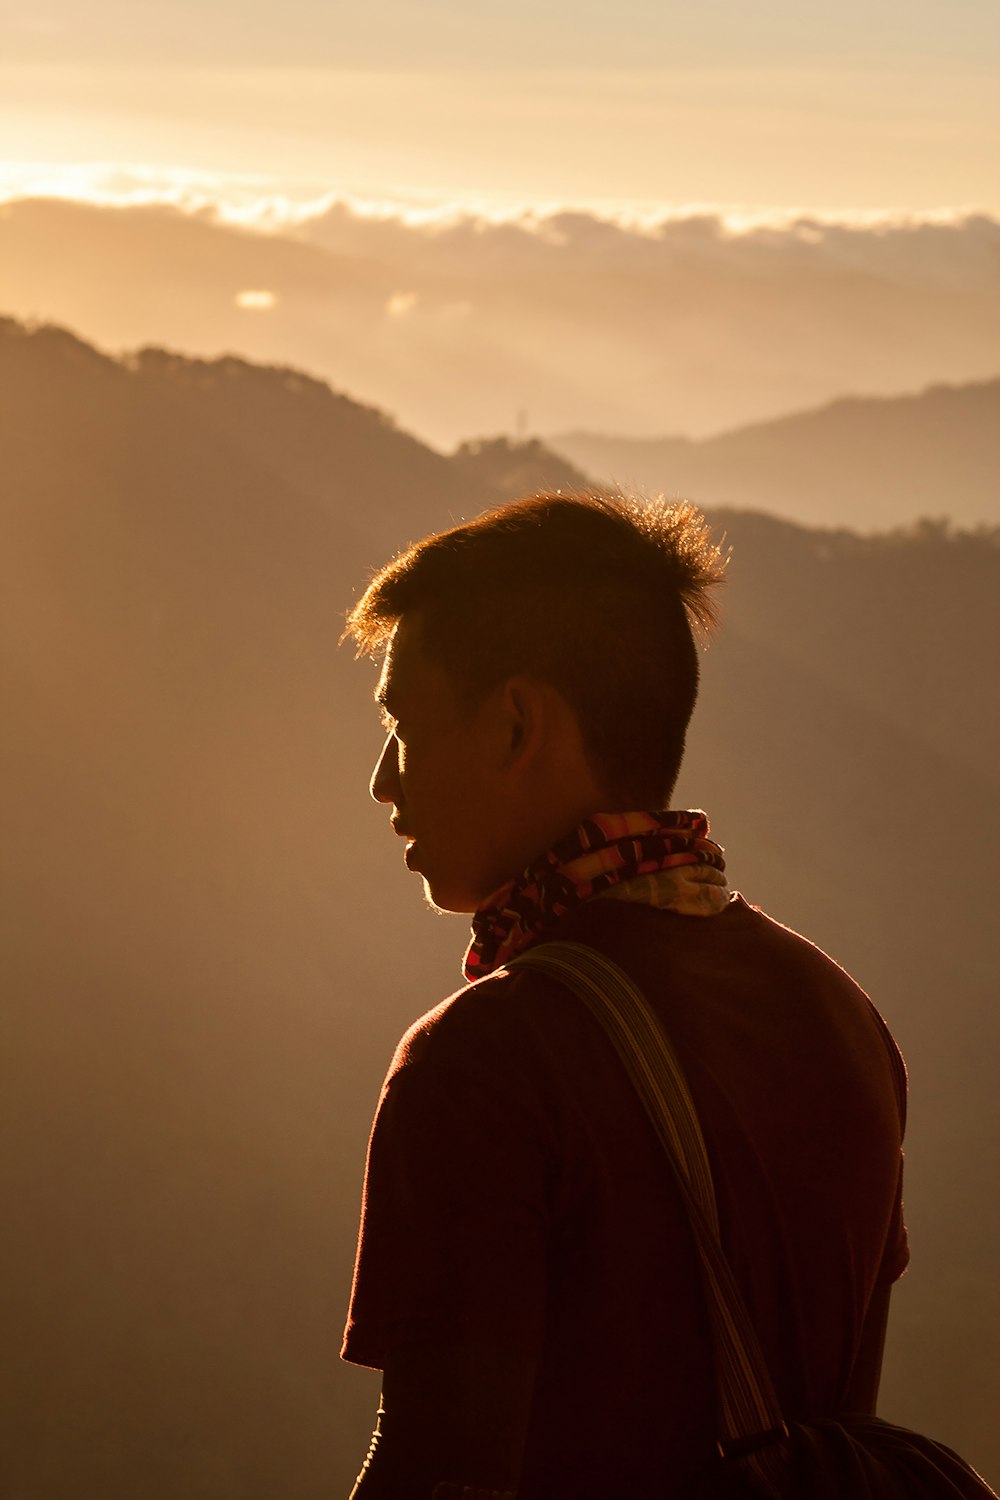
<point>641,217</point>
<point>785,104</point>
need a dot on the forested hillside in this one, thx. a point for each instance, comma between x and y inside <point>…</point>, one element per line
<point>211,947</point>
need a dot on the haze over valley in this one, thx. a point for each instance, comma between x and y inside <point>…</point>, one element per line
<point>682,325</point>
<point>869,464</point>
<point>212,946</point>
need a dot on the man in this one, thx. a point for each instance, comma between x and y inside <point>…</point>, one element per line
<point>526,1276</point>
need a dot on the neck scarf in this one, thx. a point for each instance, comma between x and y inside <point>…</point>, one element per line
<point>600,855</point>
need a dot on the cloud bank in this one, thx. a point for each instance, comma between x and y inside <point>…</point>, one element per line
<point>641,323</point>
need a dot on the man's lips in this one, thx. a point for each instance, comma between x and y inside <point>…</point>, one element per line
<point>409,852</point>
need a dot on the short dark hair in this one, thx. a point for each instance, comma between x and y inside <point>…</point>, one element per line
<point>595,594</point>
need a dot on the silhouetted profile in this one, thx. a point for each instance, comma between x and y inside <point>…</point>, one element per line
<point>526,1276</point>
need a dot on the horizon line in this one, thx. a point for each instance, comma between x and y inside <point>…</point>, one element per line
<point>265,205</point>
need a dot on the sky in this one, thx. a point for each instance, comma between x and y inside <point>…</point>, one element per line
<point>454,195</point>
<point>786,103</point>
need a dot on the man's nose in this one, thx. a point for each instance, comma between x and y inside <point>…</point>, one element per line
<point>384,785</point>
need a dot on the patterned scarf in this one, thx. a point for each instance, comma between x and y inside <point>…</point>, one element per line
<point>606,850</point>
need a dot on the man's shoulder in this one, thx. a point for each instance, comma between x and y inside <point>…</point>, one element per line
<point>761,940</point>
<point>743,955</point>
<point>482,1018</point>
<point>710,978</point>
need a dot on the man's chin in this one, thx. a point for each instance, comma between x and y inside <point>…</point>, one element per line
<point>440,898</point>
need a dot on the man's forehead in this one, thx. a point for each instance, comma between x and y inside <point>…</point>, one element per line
<point>404,662</point>
<point>384,686</point>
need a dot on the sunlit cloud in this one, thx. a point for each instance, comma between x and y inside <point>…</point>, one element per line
<point>259,202</point>
<point>400,304</point>
<point>248,200</point>
<point>255,301</point>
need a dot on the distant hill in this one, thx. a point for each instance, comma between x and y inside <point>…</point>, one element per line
<point>864,462</point>
<point>210,946</point>
<point>517,468</point>
<point>253,430</point>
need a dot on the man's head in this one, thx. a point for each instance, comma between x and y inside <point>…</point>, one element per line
<point>559,626</point>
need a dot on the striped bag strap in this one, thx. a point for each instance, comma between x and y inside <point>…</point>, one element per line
<point>750,1414</point>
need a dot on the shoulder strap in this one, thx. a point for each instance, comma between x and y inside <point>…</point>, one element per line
<point>750,1412</point>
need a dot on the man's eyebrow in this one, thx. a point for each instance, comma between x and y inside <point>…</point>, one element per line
<point>383,700</point>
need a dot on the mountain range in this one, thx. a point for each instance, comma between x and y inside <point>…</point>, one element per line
<point>866,463</point>
<point>211,948</point>
<point>457,322</point>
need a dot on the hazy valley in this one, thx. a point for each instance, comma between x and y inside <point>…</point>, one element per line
<point>211,946</point>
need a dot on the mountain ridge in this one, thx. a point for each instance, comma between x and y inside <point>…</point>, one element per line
<point>873,462</point>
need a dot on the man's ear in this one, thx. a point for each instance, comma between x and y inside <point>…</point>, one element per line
<point>523,715</point>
